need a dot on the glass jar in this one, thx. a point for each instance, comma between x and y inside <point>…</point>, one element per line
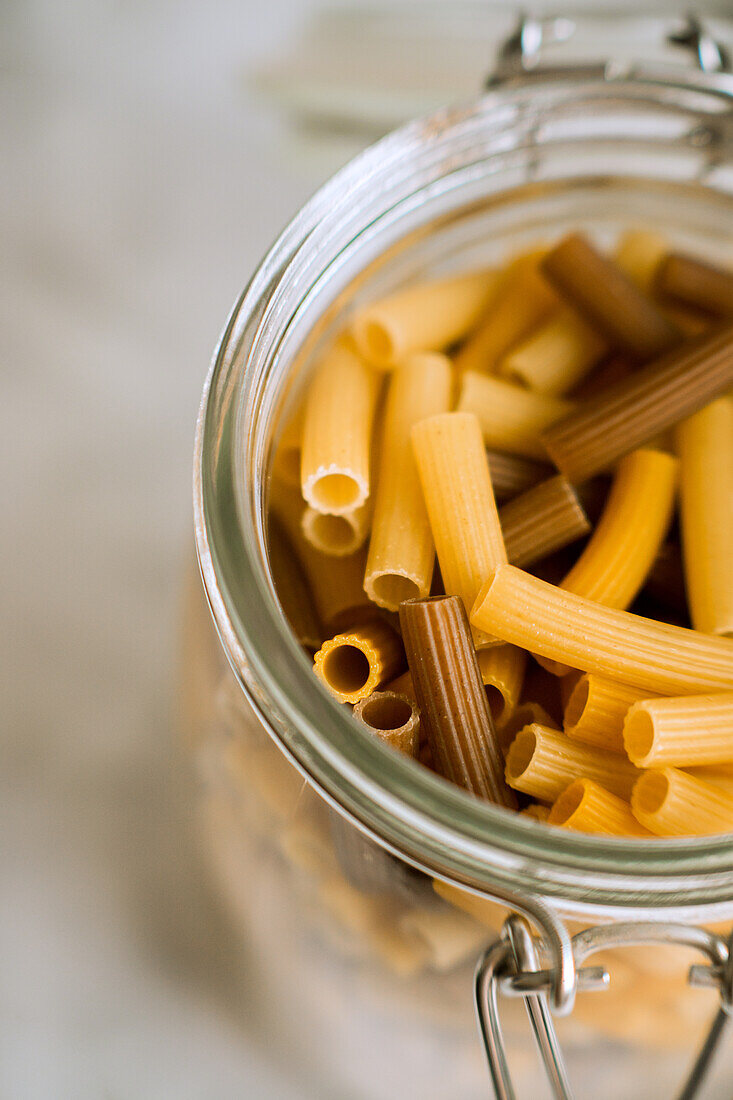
<point>319,834</point>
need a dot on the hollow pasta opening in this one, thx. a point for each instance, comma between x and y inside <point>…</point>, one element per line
<point>650,792</point>
<point>385,711</point>
<point>569,801</point>
<point>577,703</point>
<point>521,753</point>
<point>497,702</point>
<point>331,533</point>
<point>335,492</point>
<point>638,736</point>
<point>390,590</point>
<point>346,668</point>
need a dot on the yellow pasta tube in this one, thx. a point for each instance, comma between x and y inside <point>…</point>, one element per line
<point>353,665</point>
<point>337,535</point>
<point>456,485</point>
<point>720,775</point>
<point>523,301</point>
<point>336,583</point>
<point>542,762</point>
<point>511,418</point>
<point>694,729</point>
<point>705,447</point>
<point>555,357</point>
<point>586,807</point>
<point>424,317</point>
<point>596,711</point>
<point>337,432</point>
<point>622,549</point>
<point>670,802</point>
<point>526,714</point>
<point>502,671</point>
<point>401,548</point>
<point>647,654</point>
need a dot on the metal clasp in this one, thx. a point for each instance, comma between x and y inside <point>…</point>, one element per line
<point>511,966</point>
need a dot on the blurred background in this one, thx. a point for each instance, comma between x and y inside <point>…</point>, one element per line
<point>150,154</point>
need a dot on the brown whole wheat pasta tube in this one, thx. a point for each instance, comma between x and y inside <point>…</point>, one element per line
<point>542,762</point>
<point>697,284</point>
<point>670,802</point>
<point>512,475</point>
<point>393,718</point>
<point>456,485</point>
<point>610,371</point>
<point>638,408</point>
<point>608,299</point>
<point>292,588</point>
<point>454,712</point>
<point>542,520</point>
<point>720,775</point>
<point>587,807</point>
<point>705,448</point>
<point>424,317</point>
<point>694,729</point>
<point>596,711</point>
<point>647,654</point>
<point>354,664</point>
<point>524,300</point>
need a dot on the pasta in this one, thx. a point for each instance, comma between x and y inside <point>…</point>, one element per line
<point>720,775</point>
<point>337,430</point>
<point>511,418</point>
<point>403,685</point>
<point>669,802</point>
<point>353,665</point>
<point>523,301</point>
<point>542,762</point>
<point>425,317</point>
<point>456,485</point>
<point>502,672</point>
<point>696,284</point>
<point>555,357</point>
<point>694,729</point>
<point>705,447</point>
<point>596,711</point>
<point>454,712</point>
<point>526,714</point>
<point>586,807</point>
<point>639,407</point>
<point>337,535</point>
<point>542,520</point>
<point>608,299</point>
<point>336,584</point>
<point>511,475</point>
<point>401,550</point>
<point>286,463</point>
<point>537,811</point>
<point>653,656</point>
<point>393,718</point>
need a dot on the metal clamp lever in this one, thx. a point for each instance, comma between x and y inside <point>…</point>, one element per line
<point>510,966</point>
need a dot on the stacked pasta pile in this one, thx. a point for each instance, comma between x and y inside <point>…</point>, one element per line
<point>589,683</point>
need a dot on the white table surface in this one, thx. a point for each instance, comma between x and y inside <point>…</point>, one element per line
<point>141,185</point>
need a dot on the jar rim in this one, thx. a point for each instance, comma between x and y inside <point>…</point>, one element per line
<point>405,808</point>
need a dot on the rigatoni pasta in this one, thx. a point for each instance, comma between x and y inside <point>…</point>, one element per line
<point>401,548</point>
<point>596,711</point>
<point>554,358</point>
<point>354,664</point>
<point>456,486</point>
<point>512,475</point>
<point>542,520</point>
<point>393,718</point>
<point>669,802</point>
<point>705,448</point>
<point>337,432</point>
<point>502,671</point>
<point>587,807</point>
<point>694,729</point>
<point>339,535</point>
<point>542,762</point>
<point>528,612</point>
<point>425,317</point>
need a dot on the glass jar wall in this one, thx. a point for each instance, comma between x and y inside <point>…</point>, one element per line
<point>348,938</point>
